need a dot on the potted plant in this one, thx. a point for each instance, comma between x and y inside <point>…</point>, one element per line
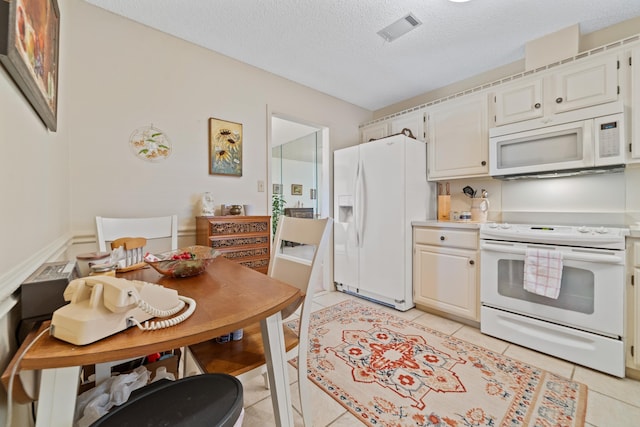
<point>277,208</point>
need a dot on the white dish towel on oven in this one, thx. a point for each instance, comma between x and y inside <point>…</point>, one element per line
<point>543,272</point>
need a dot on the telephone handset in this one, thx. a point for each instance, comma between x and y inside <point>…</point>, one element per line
<point>100,306</point>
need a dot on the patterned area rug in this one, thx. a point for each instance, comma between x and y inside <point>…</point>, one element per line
<point>392,372</point>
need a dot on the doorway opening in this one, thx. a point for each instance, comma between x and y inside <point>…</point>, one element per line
<point>299,174</point>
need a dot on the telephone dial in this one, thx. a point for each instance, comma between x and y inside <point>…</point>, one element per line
<point>100,306</point>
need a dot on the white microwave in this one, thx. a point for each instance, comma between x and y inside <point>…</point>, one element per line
<point>589,145</point>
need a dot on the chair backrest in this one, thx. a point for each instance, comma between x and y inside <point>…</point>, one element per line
<point>300,272</point>
<point>162,227</point>
<point>294,270</point>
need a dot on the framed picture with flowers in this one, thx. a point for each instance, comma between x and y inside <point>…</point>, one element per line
<point>29,44</point>
<point>225,147</point>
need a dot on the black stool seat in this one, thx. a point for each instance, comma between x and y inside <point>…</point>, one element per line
<point>199,400</point>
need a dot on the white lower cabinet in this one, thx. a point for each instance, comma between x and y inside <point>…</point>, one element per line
<point>445,270</point>
<point>632,338</point>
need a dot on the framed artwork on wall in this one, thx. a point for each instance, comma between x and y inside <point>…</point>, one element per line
<point>29,50</point>
<point>296,189</point>
<point>225,147</point>
<point>277,188</point>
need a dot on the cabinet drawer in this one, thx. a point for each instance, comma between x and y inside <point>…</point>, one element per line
<point>446,237</point>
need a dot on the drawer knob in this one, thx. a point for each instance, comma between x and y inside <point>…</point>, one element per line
<point>471,262</point>
<point>559,100</point>
<point>537,105</point>
<point>442,238</point>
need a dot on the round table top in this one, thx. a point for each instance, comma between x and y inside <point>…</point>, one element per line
<point>228,296</point>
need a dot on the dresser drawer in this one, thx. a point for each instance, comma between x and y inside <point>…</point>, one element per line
<point>235,227</point>
<point>446,237</point>
<point>243,239</point>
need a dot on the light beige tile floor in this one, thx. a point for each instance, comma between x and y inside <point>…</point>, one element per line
<point>612,402</point>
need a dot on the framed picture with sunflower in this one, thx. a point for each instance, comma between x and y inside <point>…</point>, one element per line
<point>225,147</point>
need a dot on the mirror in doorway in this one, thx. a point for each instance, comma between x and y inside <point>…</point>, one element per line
<point>297,163</point>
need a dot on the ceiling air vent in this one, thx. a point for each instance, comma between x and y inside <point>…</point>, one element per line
<point>401,27</point>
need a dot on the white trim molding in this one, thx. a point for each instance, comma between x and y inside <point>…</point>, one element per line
<point>11,280</point>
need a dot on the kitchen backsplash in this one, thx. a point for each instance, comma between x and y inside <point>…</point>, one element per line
<point>604,199</point>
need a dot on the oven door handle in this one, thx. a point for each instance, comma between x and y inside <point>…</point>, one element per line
<point>516,249</point>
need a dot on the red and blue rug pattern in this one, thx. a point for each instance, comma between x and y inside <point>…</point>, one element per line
<point>389,371</point>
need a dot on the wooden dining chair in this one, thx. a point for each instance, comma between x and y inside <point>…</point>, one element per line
<point>245,357</point>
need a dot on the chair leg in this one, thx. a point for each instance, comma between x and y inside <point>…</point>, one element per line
<point>303,380</point>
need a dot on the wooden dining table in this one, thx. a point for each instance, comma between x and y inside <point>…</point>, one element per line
<point>228,297</point>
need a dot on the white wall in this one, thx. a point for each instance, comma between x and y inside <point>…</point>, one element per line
<point>127,75</point>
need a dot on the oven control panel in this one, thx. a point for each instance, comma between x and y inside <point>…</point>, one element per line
<point>588,236</point>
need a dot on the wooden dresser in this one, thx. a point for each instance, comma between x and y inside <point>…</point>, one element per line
<point>243,239</point>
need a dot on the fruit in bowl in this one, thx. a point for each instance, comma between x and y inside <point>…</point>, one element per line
<point>183,262</point>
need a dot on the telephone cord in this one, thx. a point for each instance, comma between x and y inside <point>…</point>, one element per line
<point>165,323</point>
<point>156,312</point>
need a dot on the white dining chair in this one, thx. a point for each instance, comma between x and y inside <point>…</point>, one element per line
<point>151,228</point>
<point>134,232</point>
<point>245,358</point>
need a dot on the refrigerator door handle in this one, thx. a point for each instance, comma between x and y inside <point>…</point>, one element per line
<point>359,203</point>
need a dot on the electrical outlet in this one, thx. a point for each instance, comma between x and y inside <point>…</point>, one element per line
<point>261,186</point>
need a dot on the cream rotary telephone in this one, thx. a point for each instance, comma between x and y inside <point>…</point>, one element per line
<point>100,306</point>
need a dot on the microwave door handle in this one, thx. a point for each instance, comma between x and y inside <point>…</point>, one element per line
<point>589,140</point>
<point>603,257</point>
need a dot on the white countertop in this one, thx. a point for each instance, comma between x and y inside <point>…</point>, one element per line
<point>446,224</point>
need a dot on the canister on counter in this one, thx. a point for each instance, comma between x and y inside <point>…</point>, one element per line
<point>479,209</point>
<point>465,216</point>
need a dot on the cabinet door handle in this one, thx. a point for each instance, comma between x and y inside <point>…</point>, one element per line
<point>537,105</point>
<point>483,163</point>
<point>442,238</point>
<point>558,100</point>
<point>471,262</point>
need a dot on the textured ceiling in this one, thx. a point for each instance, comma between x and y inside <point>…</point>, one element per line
<point>332,45</point>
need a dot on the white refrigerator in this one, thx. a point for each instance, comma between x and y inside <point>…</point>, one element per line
<point>379,188</point>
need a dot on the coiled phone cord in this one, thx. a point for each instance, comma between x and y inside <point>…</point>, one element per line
<point>165,323</point>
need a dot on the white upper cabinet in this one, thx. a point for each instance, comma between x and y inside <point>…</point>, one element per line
<point>414,121</point>
<point>374,131</point>
<point>581,84</point>
<point>635,105</point>
<point>518,102</point>
<point>458,143</point>
<point>584,84</point>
